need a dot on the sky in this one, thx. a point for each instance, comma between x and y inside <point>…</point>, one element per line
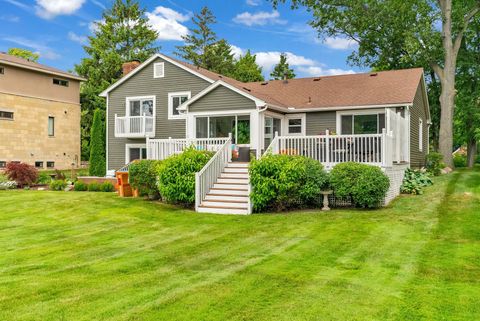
<point>57,30</point>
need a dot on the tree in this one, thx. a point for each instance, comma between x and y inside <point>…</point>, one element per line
<point>282,69</point>
<point>122,35</point>
<point>24,53</point>
<point>97,165</point>
<point>247,69</point>
<point>219,58</point>
<point>423,32</point>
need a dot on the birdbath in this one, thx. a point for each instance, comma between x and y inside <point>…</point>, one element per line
<point>325,199</point>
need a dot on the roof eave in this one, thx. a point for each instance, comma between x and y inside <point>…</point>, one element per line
<point>51,72</point>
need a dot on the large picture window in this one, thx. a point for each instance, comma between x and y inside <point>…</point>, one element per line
<point>221,126</point>
<point>140,106</point>
<point>362,124</point>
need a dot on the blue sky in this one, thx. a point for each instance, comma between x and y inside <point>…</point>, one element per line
<point>56,29</point>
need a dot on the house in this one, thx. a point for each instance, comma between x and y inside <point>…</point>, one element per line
<point>163,105</point>
<point>39,114</point>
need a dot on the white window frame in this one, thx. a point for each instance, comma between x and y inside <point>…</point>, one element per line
<point>170,103</point>
<point>129,99</point>
<point>127,150</point>
<point>358,112</point>
<point>158,65</point>
<point>286,127</point>
<point>53,126</point>
<point>420,134</point>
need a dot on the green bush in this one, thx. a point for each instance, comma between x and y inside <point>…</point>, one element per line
<point>143,176</point>
<point>366,185</point>
<point>414,181</point>
<point>58,185</point>
<point>435,163</point>
<point>107,187</point>
<point>97,145</point>
<point>44,178</point>
<point>80,186</point>
<point>281,182</point>
<point>460,160</point>
<point>94,187</point>
<point>176,176</point>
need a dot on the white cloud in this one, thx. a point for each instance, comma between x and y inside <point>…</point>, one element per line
<point>39,47</point>
<point>259,19</point>
<point>10,18</point>
<point>93,25</point>
<point>168,23</point>
<point>77,38</point>
<point>270,58</point>
<point>99,4</point>
<point>340,43</point>
<point>18,4</point>
<point>49,9</point>
<point>321,71</point>
<point>236,51</point>
<point>254,3</point>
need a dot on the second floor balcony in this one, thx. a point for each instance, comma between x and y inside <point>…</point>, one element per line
<point>134,126</point>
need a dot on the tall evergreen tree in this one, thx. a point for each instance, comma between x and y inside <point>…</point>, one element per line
<point>122,35</point>
<point>97,165</point>
<point>24,53</point>
<point>219,58</point>
<point>282,69</point>
<point>247,69</point>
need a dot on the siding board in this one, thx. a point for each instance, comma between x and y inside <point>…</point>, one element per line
<point>221,98</point>
<point>318,122</point>
<point>417,111</point>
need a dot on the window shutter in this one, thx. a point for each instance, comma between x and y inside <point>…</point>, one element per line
<point>158,70</point>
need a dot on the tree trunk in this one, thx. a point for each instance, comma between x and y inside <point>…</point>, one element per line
<point>471,152</point>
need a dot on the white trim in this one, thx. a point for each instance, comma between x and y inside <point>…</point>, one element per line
<point>170,104</point>
<point>286,126</point>
<point>146,63</point>
<point>420,134</point>
<point>127,150</point>
<point>222,112</point>
<point>258,102</point>
<point>157,65</point>
<point>153,97</point>
<point>333,108</point>
<point>106,138</point>
<point>376,111</point>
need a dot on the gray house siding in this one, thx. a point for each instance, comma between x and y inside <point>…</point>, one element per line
<point>143,84</point>
<point>318,122</point>
<point>220,99</point>
<point>417,112</point>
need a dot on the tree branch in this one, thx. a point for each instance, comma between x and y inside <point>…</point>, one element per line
<point>438,70</point>
<point>466,22</point>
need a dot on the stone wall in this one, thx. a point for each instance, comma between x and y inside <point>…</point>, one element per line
<point>26,139</point>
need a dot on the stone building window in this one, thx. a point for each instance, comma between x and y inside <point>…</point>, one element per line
<point>39,164</point>
<point>50,164</point>
<point>51,126</point>
<point>6,115</point>
<point>60,82</point>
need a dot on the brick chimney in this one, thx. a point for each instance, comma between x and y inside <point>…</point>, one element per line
<point>127,67</point>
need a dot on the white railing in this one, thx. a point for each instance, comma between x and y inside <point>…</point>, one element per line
<point>208,175</point>
<point>134,126</point>
<point>375,149</point>
<point>162,148</point>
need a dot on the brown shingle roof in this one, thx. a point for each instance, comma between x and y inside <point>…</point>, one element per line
<point>13,60</point>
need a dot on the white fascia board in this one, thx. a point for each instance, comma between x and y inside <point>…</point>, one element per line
<point>335,108</point>
<point>146,63</point>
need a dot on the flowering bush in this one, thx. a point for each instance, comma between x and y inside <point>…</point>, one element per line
<point>22,173</point>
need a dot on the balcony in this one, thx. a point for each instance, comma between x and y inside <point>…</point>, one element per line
<point>134,126</point>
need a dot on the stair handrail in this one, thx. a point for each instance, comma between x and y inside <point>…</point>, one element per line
<point>272,148</point>
<point>208,175</point>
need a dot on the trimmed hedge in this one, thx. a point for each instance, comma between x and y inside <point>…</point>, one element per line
<point>281,182</point>
<point>80,186</point>
<point>366,185</point>
<point>58,185</point>
<point>176,176</point>
<point>143,176</point>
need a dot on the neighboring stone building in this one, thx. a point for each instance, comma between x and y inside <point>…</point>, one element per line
<point>39,114</point>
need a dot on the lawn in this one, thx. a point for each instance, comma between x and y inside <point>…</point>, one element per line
<point>94,256</point>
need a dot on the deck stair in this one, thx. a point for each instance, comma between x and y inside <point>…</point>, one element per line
<point>230,193</point>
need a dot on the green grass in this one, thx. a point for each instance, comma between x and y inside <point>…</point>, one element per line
<point>91,256</point>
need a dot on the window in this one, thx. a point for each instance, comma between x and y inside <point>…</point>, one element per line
<point>140,106</point>
<point>159,70</point>
<point>3,164</point>
<point>362,124</point>
<point>51,126</point>
<point>8,115</point>
<point>295,126</point>
<point>420,135</point>
<point>272,125</point>
<point>60,82</point>
<point>135,151</point>
<point>39,164</point>
<point>221,126</point>
<point>2,70</point>
<point>174,101</point>
<point>50,164</point>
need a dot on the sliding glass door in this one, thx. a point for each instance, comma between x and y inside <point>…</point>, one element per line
<point>221,126</point>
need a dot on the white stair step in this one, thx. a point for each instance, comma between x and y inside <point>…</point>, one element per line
<point>243,187</point>
<point>235,170</point>
<point>235,175</point>
<point>226,197</point>
<point>214,191</point>
<point>243,205</point>
<point>216,210</point>
<point>238,165</point>
<point>233,180</point>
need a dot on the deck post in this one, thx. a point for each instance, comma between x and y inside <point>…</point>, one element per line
<point>147,142</point>
<point>327,148</point>
<point>384,147</point>
<point>197,191</point>
<point>276,146</point>
<point>229,148</point>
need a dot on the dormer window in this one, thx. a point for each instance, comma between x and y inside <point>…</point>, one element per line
<point>60,82</point>
<point>159,70</point>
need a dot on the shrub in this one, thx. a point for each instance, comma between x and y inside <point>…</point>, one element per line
<point>143,176</point>
<point>58,185</point>
<point>93,187</point>
<point>97,145</point>
<point>21,173</point>
<point>107,187</point>
<point>414,181</point>
<point>176,175</point>
<point>59,175</point>
<point>435,163</point>
<point>80,186</point>
<point>460,160</point>
<point>44,178</point>
<point>281,182</point>
<point>366,185</point>
<point>8,185</point>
